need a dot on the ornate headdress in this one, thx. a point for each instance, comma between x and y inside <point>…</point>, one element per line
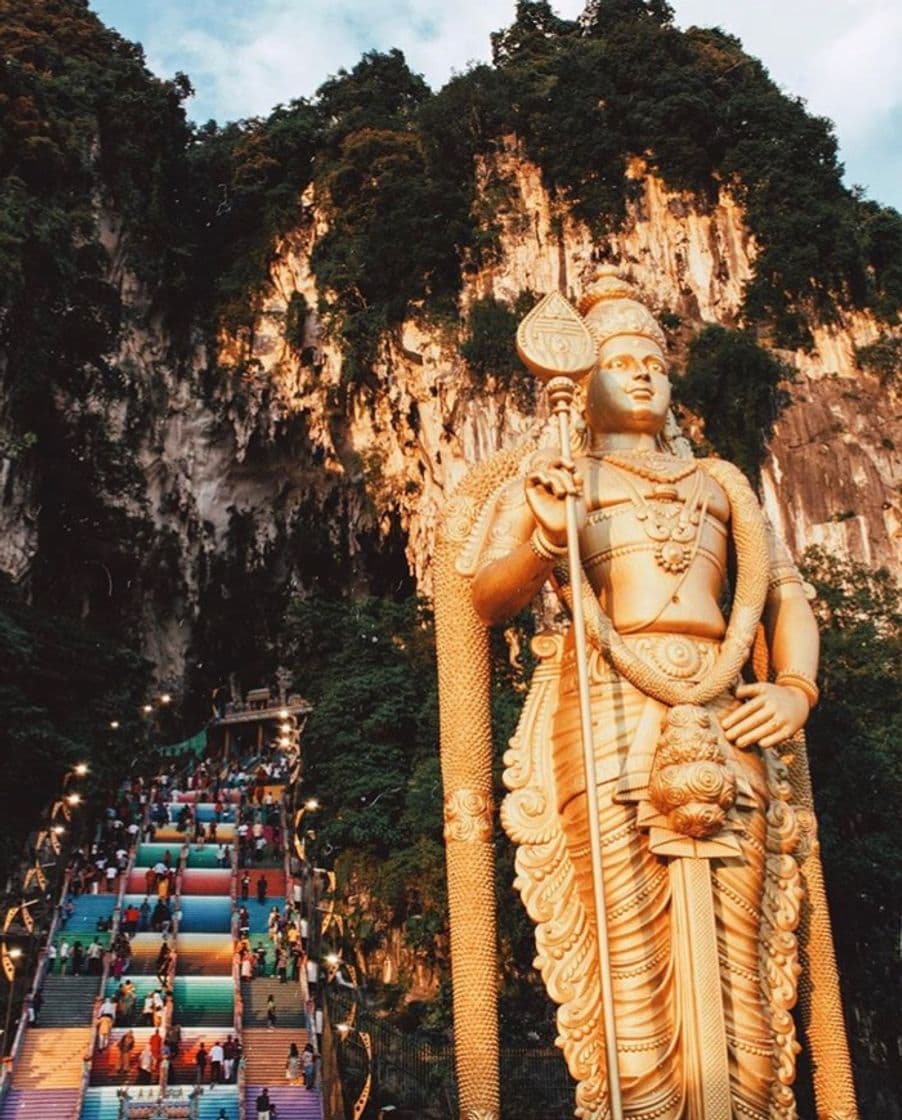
<point>612,306</point>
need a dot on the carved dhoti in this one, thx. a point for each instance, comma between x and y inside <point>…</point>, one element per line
<point>693,937</point>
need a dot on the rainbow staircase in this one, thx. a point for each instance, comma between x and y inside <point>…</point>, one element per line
<point>55,1060</point>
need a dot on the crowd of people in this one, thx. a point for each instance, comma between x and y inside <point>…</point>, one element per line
<point>143,809</point>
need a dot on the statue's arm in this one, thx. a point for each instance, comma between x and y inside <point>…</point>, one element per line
<point>512,572</point>
<point>526,538</point>
<point>774,712</point>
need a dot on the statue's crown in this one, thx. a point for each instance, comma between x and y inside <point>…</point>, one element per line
<point>612,306</point>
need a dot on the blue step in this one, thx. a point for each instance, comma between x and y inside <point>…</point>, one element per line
<point>259,915</point>
<point>205,913</point>
<point>88,908</point>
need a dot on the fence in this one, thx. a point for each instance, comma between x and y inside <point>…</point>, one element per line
<point>417,1077</point>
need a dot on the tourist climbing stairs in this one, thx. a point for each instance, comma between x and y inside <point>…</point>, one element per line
<point>266,1046</point>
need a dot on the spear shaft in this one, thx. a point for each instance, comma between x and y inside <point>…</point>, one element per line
<point>560,394</point>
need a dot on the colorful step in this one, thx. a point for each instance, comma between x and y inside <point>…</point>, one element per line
<point>205,914</point>
<point>293,1102</point>
<point>88,909</point>
<point>204,881</point>
<point>149,854</point>
<point>273,876</point>
<point>205,954</point>
<point>40,1104</point>
<point>204,1001</point>
<point>68,1001</point>
<point>51,1058</point>
<point>106,1064</point>
<point>207,856</point>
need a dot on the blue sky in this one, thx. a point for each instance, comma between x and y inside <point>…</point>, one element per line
<point>245,56</point>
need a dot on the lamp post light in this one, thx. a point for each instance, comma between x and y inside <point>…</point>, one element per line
<point>9,958</point>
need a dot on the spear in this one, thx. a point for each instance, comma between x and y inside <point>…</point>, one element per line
<point>555,344</point>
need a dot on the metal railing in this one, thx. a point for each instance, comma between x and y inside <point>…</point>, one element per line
<point>417,1077</point>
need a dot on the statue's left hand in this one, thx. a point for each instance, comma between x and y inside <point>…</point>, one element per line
<point>771,714</point>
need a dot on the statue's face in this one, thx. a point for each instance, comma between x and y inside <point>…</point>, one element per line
<point>630,390</point>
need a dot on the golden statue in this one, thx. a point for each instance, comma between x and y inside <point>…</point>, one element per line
<point>675,890</point>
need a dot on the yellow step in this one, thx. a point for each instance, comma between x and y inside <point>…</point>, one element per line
<point>52,1058</point>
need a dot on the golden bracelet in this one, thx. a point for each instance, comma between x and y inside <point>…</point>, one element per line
<point>543,548</point>
<point>802,682</point>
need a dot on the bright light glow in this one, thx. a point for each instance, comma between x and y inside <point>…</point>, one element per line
<point>147,709</point>
<point>286,727</point>
<point>334,959</point>
<point>165,698</point>
<point>81,769</point>
<point>74,798</point>
<point>343,1029</point>
<point>114,724</point>
<point>311,804</point>
<point>58,829</point>
<point>283,713</point>
<point>15,952</point>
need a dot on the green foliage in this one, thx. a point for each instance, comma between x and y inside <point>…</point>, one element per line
<point>623,83</point>
<point>371,756</point>
<point>738,387</point>
<point>489,349</point>
<point>398,215</point>
<point>60,686</point>
<point>883,357</point>
<point>84,128</point>
<point>853,738</point>
<point>245,185</point>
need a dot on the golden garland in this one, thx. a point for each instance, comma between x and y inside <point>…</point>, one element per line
<point>750,539</point>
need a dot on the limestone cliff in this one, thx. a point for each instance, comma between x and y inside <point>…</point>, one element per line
<point>278,442</point>
<point>831,479</point>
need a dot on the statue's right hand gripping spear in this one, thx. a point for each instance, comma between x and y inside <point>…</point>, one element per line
<point>556,345</point>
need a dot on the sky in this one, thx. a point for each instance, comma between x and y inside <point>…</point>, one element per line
<point>844,57</point>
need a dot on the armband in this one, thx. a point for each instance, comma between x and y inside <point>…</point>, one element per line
<point>802,682</point>
<point>543,548</point>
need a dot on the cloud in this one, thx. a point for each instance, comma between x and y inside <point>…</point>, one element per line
<point>842,57</point>
<point>249,57</point>
<point>245,56</point>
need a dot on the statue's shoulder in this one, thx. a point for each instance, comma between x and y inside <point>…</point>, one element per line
<point>725,473</point>
<point>489,496</point>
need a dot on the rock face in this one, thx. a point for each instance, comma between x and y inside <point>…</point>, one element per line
<point>325,478</point>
